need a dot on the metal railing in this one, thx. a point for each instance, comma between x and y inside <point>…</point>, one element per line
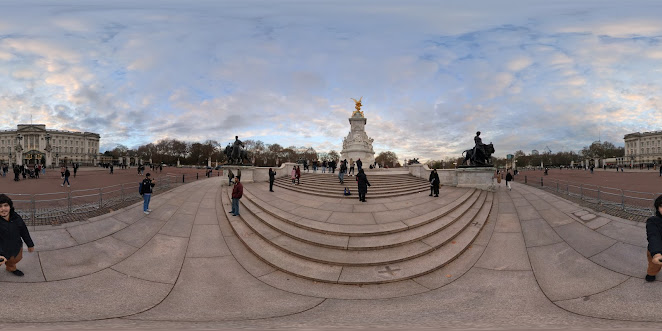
<point>63,207</point>
<point>633,202</point>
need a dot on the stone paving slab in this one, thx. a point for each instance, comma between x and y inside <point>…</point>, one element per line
<point>206,216</point>
<point>555,217</point>
<point>111,294</point>
<point>160,260</point>
<point>139,233</point>
<point>528,212</point>
<point>625,233</point>
<point>586,241</point>
<point>52,239</point>
<point>539,233</point>
<point>508,223</point>
<point>506,251</point>
<point>597,223</point>
<point>207,241</point>
<point>179,225</point>
<point>131,215</point>
<point>393,215</point>
<point>311,213</point>
<point>197,295</point>
<point>633,300</point>
<point>565,274</point>
<point>84,259</point>
<point>30,265</point>
<point>92,231</point>
<point>624,258</point>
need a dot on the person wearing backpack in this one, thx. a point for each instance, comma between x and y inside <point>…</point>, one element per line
<point>146,190</point>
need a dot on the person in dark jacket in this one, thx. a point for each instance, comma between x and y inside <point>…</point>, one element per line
<point>298,174</point>
<point>66,177</point>
<point>363,183</point>
<point>13,232</point>
<point>237,193</point>
<point>272,178</point>
<point>509,178</point>
<point>16,173</point>
<point>230,176</point>
<point>434,183</point>
<point>359,164</point>
<point>654,235</point>
<point>147,185</point>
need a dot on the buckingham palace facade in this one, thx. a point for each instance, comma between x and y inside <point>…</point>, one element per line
<point>34,144</point>
<point>643,148</point>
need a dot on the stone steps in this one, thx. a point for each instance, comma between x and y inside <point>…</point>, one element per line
<point>412,245</point>
<point>357,231</point>
<point>316,256</point>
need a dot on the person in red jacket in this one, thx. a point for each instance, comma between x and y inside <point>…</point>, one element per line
<point>654,236</point>
<point>237,193</point>
<point>298,174</point>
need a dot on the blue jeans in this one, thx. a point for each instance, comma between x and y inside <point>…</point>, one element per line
<point>323,169</point>
<point>66,180</point>
<point>341,175</point>
<point>235,206</point>
<point>146,198</point>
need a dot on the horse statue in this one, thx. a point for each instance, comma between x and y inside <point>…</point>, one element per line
<point>480,159</point>
<point>235,159</point>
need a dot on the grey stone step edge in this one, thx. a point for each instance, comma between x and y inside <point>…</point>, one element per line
<point>334,185</point>
<point>354,230</point>
<point>433,222</point>
<point>435,238</point>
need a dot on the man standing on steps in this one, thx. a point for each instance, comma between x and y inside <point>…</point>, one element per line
<point>237,193</point>
<point>272,178</point>
<point>362,181</point>
<point>434,183</point>
<point>359,165</point>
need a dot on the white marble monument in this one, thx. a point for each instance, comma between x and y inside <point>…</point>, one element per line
<point>357,144</point>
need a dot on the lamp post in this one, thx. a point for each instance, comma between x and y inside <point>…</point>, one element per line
<point>10,162</point>
<point>19,147</point>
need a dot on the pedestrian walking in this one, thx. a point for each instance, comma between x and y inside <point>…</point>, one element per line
<point>146,192</point>
<point>324,164</point>
<point>16,172</point>
<point>434,183</point>
<point>237,193</point>
<point>654,236</point>
<point>341,173</point>
<point>66,177</point>
<point>298,174</point>
<point>509,178</point>
<point>76,169</point>
<point>62,172</point>
<point>363,183</point>
<point>272,178</point>
<point>239,174</point>
<point>230,176</point>
<point>351,167</point>
<point>13,232</point>
<point>37,171</point>
<point>293,175</point>
<point>111,170</point>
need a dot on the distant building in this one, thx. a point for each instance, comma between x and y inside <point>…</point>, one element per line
<point>643,147</point>
<point>535,152</point>
<point>34,144</point>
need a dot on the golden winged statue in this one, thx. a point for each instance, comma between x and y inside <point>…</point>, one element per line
<point>358,106</point>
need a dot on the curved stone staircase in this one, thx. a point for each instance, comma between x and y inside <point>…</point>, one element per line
<point>347,253</point>
<point>328,185</point>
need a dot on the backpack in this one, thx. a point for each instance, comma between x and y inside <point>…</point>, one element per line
<point>347,192</point>
<point>140,188</point>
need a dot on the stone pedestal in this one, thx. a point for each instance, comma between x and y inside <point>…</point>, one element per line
<point>479,177</point>
<point>357,145</point>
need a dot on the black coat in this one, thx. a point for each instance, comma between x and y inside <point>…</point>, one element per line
<point>363,182</point>
<point>359,164</point>
<point>11,233</point>
<point>654,234</point>
<point>509,177</point>
<point>272,175</point>
<point>434,179</point>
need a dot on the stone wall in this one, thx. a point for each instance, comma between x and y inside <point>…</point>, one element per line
<point>481,178</point>
<point>250,174</point>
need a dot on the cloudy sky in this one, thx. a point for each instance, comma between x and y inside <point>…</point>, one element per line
<point>528,74</point>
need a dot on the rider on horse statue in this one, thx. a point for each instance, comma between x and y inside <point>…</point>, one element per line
<point>478,147</point>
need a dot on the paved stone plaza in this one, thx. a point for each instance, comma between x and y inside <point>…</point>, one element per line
<point>539,262</point>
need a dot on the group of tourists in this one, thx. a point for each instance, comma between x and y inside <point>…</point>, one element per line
<point>25,171</point>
